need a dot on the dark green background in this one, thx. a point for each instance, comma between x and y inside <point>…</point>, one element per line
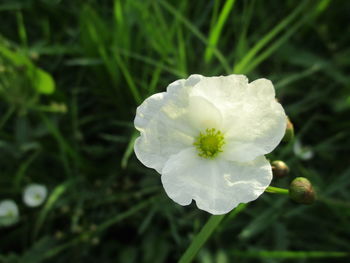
<point>105,58</point>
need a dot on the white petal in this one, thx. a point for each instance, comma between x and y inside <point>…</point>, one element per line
<point>222,91</point>
<point>165,125</point>
<point>254,122</point>
<point>217,185</point>
<point>255,133</point>
<point>176,85</point>
<point>203,114</point>
<point>148,109</point>
<point>193,80</point>
<point>262,88</point>
<point>34,195</point>
<point>154,147</point>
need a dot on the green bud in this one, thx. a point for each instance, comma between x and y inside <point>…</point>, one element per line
<point>301,191</point>
<point>289,134</point>
<point>279,169</point>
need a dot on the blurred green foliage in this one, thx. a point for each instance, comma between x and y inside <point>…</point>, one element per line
<point>71,76</point>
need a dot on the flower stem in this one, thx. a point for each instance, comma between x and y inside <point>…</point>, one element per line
<point>277,190</point>
<point>207,230</point>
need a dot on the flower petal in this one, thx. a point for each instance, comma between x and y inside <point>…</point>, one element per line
<point>254,122</point>
<point>203,114</point>
<point>257,129</point>
<point>262,88</point>
<point>193,80</point>
<point>217,186</point>
<point>222,91</point>
<point>154,147</point>
<point>147,110</point>
<point>164,122</point>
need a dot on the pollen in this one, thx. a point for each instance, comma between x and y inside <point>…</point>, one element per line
<point>209,144</point>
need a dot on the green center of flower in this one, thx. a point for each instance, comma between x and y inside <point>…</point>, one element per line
<point>10,213</point>
<point>37,197</point>
<point>209,144</point>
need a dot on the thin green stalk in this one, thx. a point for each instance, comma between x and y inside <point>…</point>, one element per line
<point>277,190</point>
<point>129,150</point>
<point>79,239</point>
<point>273,47</point>
<point>215,32</point>
<point>129,79</point>
<point>182,51</point>
<point>201,238</point>
<point>65,148</point>
<point>206,232</point>
<point>197,33</point>
<point>242,64</point>
<point>290,254</point>
<point>123,215</point>
<point>49,205</point>
<point>22,33</point>
<point>22,169</point>
<point>152,62</point>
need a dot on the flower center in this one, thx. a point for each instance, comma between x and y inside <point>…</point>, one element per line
<point>210,143</point>
<point>10,213</point>
<point>37,197</point>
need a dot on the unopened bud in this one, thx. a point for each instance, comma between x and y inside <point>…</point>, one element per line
<point>301,191</point>
<point>279,169</point>
<point>289,134</point>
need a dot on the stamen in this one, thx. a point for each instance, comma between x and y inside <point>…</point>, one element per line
<point>209,144</point>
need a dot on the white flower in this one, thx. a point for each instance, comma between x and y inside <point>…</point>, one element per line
<point>8,213</point>
<point>207,137</point>
<point>303,152</point>
<point>34,195</point>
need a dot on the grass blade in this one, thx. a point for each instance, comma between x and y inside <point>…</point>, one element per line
<point>197,33</point>
<point>54,196</point>
<point>240,66</point>
<point>215,33</point>
<point>290,254</point>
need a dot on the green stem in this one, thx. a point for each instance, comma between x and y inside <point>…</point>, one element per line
<point>264,254</point>
<point>205,233</point>
<point>277,190</point>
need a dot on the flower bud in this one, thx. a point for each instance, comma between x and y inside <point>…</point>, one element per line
<point>289,134</point>
<point>301,191</point>
<point>279,169</point>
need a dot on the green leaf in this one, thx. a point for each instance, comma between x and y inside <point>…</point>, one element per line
<point>41,80</point>
<point>44,83</point>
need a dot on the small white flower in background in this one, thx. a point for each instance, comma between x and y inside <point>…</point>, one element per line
<point>34,195</point>
<point>8,213</point>
<point>303,152</point>
<point>207,137</point>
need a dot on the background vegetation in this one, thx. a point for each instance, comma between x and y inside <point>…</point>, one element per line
<point>71,76</point>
